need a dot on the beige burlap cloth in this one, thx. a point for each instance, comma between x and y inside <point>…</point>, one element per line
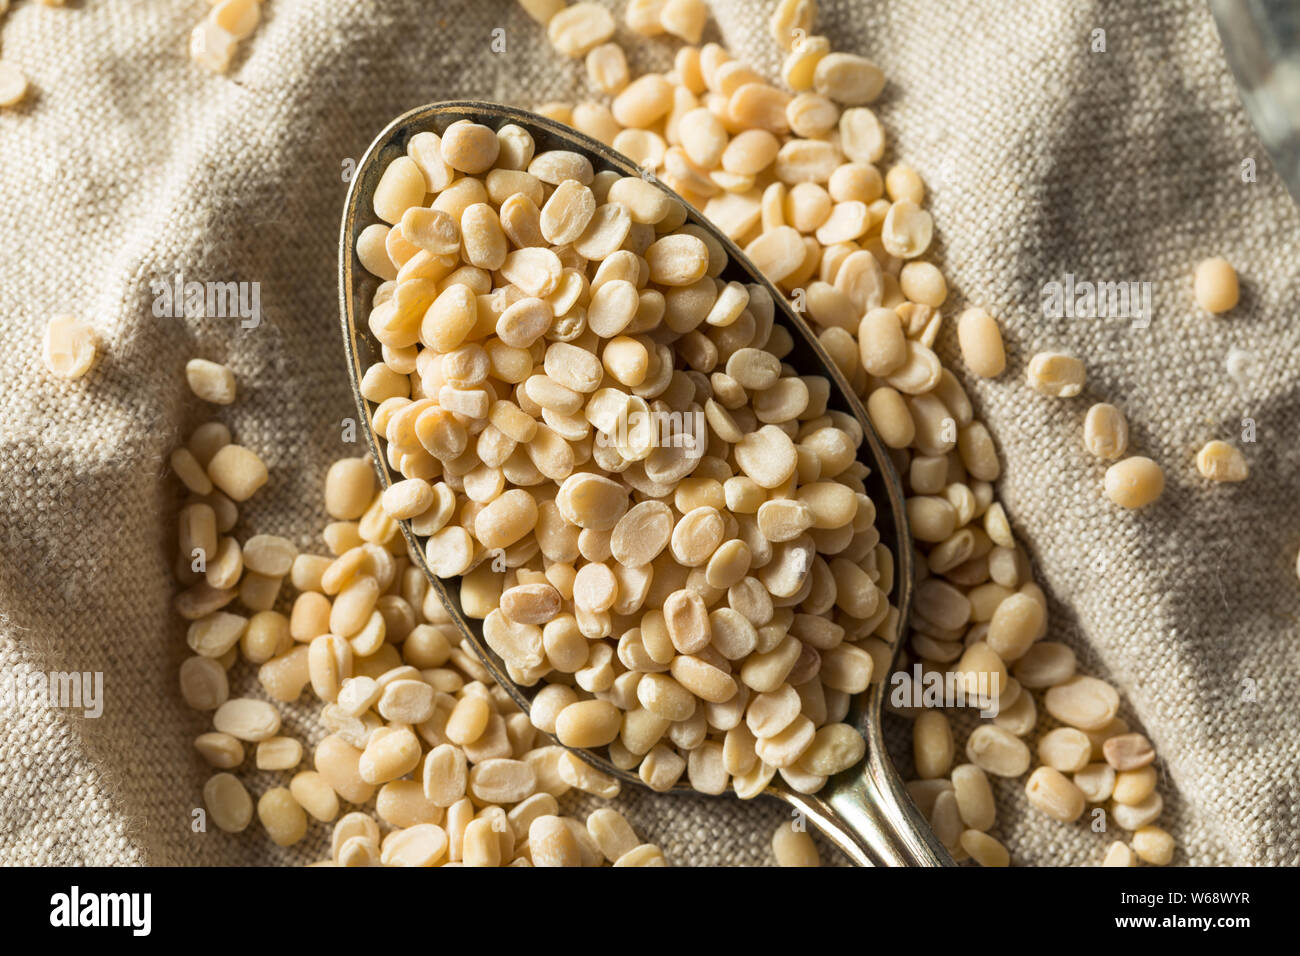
<point>1044,157</point>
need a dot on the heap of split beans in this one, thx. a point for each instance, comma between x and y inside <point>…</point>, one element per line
<point>701,602</point>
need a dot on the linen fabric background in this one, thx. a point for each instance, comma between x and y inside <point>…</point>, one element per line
<point>1042,157</point>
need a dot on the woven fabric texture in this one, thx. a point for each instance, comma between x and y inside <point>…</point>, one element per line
<point>1044,157</point>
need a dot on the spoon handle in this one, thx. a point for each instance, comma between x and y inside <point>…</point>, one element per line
<point>866,812</point>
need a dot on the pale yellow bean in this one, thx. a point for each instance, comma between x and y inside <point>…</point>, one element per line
<point>1128,751</point>
<point>228,802</point>
<point>1105,431</point>
<point>1219,461</point>
<point>984,849</point>
<point>1052,793</point>
<point>282,816</point>
<point>1216,285</point>
<point>1153,845</point>
<point>932,744</point>
<point>847,78</point>
<point>794,847</point>
<point>1056,374</point>
<point>1083,702</point>
<point>237,471</point>
<point>980,339</point>
<point>996,751</point>
<point>1134,482</point>
<point>591,723</point>
<point>684,18</point>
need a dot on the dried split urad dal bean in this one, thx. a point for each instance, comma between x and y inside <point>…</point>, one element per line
<point>576,408</point>
<point>69,346</point>
<point>1056,374</point>
<point>578,29</point>
<point>981,343</point>
<point>13,84</point>
<point>1219,461</point>
<point>794,847</point>
<point>1216,285</point>
<point>1134,482</point>
<point>214,42</point>
<point>1105,431</point>
<point>210,381</point>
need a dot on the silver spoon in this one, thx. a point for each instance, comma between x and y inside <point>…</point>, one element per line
<point>864,811</point>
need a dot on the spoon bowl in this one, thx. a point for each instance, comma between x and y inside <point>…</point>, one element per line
<point>864,810</point>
